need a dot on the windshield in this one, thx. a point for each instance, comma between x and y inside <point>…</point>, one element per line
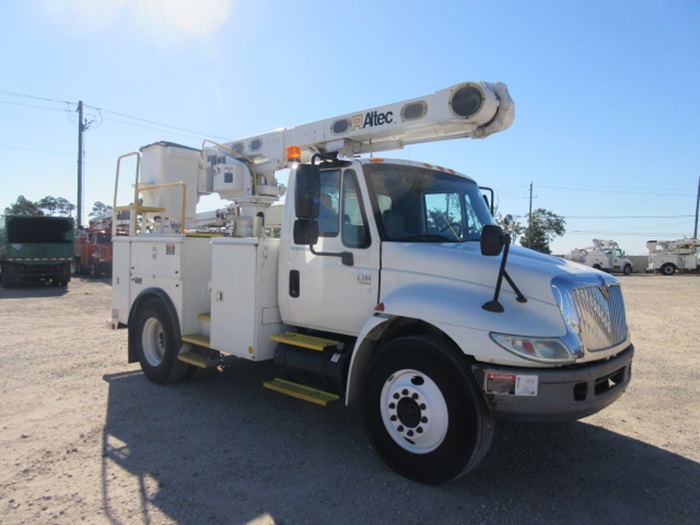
<point>415,203</point>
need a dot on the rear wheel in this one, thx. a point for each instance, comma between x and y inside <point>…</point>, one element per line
<point>7,277</point>
<point>668,269</point>
<point>157,344</point>
<point>423,412</point>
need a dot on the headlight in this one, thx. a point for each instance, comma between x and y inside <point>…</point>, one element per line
<point>542,349</point>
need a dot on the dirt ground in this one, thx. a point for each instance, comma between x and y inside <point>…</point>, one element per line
<point>85,438</point>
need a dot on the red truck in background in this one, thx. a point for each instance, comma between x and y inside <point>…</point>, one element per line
<point>93,246</point>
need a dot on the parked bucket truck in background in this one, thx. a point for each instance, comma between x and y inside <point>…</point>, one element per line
<point>603,255</point>
<point>666,257</point>
<point>383,288</point>
<point>34,248</point>
<point>93,248</point>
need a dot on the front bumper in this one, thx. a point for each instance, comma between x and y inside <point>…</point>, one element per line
<point>558,394</point>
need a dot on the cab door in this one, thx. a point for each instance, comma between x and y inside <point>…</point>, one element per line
<point>326,290</point>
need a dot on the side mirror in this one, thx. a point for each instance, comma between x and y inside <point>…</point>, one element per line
<point>307,192</point>
<point>492,240</point>
<point>305,232</point>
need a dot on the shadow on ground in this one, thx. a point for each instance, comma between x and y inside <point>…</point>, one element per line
<point>221,449</point>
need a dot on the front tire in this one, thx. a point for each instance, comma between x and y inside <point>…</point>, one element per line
<point>157,344</point>
<point>423,411</point>
<point>627,270</point>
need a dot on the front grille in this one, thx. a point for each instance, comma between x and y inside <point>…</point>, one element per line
<point>601,312</point>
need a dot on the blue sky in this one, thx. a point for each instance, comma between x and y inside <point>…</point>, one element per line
<point>607,92</point>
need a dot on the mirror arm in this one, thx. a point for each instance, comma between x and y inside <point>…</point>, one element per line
<point>346,257</point>
<point>494,305</point>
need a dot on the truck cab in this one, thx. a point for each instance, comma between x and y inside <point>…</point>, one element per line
<point>373,208</point>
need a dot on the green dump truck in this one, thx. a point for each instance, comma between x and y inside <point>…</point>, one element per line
<point>34,248</point>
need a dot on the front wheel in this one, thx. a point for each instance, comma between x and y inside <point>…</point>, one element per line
<point>627,270</point>
<point>423,411</point>
<point>157,344</point>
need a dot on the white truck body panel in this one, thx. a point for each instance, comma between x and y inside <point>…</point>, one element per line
<point>244,309</point>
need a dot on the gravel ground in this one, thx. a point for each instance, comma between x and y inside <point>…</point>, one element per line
<point>86,438</point>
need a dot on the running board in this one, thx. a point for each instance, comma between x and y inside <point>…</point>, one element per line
<point>306,393</point>
<point>305,341</point>
<point>202,361</point>
<point>196,339</point>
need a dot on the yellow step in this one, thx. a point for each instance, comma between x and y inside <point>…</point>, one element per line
<point>304,341</point>
<point>204,317</point>
<point>196,339</point>
<point>194,359</point>
<point>301,391</point>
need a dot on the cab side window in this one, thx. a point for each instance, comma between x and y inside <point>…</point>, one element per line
<point>355,228</point>
<point>328,216</point>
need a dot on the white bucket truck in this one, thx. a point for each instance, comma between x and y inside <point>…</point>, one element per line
<point>384,286</point>
<point>603,255</point>
<point>667,257</point>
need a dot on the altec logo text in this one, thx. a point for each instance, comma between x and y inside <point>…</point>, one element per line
<point>372,119</point>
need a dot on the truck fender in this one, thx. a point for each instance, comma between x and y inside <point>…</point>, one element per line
<point>361,353</point>
<point>136,305</point>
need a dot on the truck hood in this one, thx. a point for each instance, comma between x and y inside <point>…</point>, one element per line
<point>531,271</point>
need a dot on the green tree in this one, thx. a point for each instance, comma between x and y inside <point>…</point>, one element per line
<point>100,209</point>
<point>49,204</point>
<point>56,205</point>
<point>23,206</point>
<point>64,207</point>
<point>543,227</point>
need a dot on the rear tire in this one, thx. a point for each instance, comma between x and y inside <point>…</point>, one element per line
<point>423,411</point>
<point>157,344</point>
<point>668,269</point>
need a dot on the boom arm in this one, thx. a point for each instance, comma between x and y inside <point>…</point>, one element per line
<point>470,109</point>
<point>244,170</point>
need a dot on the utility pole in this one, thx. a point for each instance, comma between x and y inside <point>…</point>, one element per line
<point>81,128</point>
<point>697,207</point>
<point>529,220</point>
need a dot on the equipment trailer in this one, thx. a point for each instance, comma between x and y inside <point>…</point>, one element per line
<point>383,287</point>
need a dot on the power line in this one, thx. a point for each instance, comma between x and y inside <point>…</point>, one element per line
<point>628,216</point>
<point>12,94</point>
<point>20,148</point>
<point>155,123</point>
<point>629,191</point>
<point>100,111</point>
<point>32,106</point>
